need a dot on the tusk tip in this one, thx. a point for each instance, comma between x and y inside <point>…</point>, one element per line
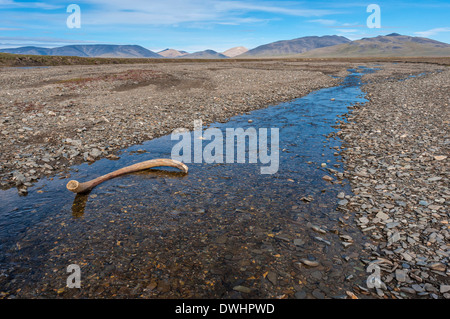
<point>72,186</point>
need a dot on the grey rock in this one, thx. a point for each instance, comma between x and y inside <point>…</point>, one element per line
<point>242,289</point>
<point>444,288</point>
<point>95,152</point>
<point>401,275</point>
<point>300,294</point>
<point>310,263</point>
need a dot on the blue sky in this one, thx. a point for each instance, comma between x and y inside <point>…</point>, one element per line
<point>195,25</point>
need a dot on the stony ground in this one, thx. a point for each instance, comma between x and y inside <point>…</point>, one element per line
<point>396,147</point>
<point>397,159</point>
<point>52,118</point>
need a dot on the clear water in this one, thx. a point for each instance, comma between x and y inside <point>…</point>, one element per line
<point>162,234</point>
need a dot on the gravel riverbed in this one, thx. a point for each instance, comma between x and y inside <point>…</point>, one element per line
<point>397,159</point>
<point>52,118</point>
<point>395,147</point>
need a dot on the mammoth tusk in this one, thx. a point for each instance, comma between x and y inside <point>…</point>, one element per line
<point>76,187</point>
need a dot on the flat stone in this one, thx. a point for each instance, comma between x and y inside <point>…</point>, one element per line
<point>310,263</point>
<point>95,152</point>
<point>423,203</point>
<point>444,288</point>
<point>316,275</point>
<point>429,287</point>
<point>394,238</point>
<point>318,294</point>
<point>300,295</point>
<point>272,277</point>
<point>318,229</point>
<point>343,202</point>
<point>382,216</point>
<point>407,256</point>
<point>417,288</point>
<point>243,289</point>
<point>438,267</point>
<point>392,225</point>
<point>401,275</point>
<point>298,242</point>
<point>408,290</point>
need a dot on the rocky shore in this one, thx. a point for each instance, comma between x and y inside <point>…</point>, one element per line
<point>397,149</point>
<point>52,118</point>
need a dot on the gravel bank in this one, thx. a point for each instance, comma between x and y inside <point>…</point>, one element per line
<point>397,159</point>
<point>52,118</point>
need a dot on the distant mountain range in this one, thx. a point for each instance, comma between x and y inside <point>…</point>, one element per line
<point>207,54</point>
<point>234,52</point>
<point>90,50</point>
<point>312,46</point>
<point>295,46</point>
<point>172,53</point>
<point>390,45</point>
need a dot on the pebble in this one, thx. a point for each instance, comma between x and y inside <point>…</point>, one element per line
<point>438,267</point>
<point>318,294</point>
<point>242,289</point>
<point>444,288</point>
<point>408,290</point>
<point>343,202</point>
<point>401,275</point>
<point>300,294</point>
<point>417,288</point>
<point>310,263</point>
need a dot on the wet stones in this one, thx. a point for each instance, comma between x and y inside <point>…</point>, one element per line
<point>243,289</point>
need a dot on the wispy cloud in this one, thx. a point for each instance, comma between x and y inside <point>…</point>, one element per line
<point>324,21</point>
<point>10,42</point>
<point>431,32</point>
<point>286,8</point>
<point>30,5</point>
<point>180,11</point>
<point>347,30</point>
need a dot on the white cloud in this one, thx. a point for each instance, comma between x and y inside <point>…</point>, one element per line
<point>347,30</point>
<point>274,7</point>
<point>170,12</point>
<point>431,32</point>
<point>324,21</point>
<point>31,5</point>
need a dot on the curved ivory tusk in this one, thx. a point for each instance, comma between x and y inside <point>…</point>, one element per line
<point>78,188</point>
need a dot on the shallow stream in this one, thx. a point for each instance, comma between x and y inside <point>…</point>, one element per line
<point>221,231</point>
